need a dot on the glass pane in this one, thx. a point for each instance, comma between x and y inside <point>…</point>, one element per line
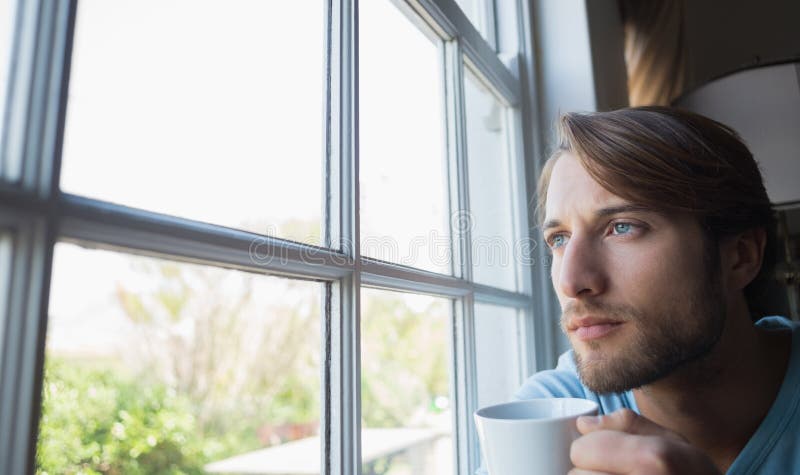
<point>497,337</point>
<point>405,384</point>
<point>154,366</point>
<point>210,110</point>
<point>403,168</point>
<point>490,190</point>
<point>7,14</point>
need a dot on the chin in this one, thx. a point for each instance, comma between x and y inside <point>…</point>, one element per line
<point>604,371</point>
<point>592,358</point>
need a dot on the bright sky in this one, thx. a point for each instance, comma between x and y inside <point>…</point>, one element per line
<point>199,108</point>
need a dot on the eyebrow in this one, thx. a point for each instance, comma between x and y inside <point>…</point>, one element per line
<point>602,212</point>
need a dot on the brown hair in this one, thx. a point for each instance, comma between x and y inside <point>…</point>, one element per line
<point>674,161</point>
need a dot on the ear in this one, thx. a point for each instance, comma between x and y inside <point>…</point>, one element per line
<point>743,255</point>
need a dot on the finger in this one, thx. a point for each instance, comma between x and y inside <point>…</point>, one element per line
<point>610,451</point>
<point>624,420</point>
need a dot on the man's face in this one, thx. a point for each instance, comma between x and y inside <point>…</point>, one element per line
<point>640,291</point>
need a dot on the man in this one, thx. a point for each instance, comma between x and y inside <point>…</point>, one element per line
<point>661,235</point>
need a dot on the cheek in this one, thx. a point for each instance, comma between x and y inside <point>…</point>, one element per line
<point>655,276</point>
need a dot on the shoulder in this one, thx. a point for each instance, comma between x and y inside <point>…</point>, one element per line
<point>773,448</point>
<point>563,381</point>
<point>550,384</point>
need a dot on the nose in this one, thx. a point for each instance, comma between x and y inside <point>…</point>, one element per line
<point>578,272</point>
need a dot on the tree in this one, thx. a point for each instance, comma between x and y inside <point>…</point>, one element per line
<point>207,333</point>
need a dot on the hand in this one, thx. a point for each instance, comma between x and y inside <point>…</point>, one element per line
<point>625,443</point>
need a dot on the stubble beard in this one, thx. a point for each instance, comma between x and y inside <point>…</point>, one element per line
<point>662,342</point>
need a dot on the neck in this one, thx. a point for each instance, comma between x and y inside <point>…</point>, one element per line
<point>748,363</point>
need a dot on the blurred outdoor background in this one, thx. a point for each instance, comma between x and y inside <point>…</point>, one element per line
<point>155,366</point>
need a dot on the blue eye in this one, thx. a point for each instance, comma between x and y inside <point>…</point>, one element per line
<point>622,228</point>
<point>557,240</point>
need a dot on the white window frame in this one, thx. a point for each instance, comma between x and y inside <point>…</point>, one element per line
<point>38,215</point>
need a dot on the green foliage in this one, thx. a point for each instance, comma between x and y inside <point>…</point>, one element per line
<point>96,422</point>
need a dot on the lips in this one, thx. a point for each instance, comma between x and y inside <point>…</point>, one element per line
<point>591,328</point>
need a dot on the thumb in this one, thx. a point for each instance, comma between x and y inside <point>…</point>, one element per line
<point>624,420</point>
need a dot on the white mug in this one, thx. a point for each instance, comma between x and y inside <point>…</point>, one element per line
<point>531,437</point>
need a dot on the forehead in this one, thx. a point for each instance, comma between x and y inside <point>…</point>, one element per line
<point>573,190</point>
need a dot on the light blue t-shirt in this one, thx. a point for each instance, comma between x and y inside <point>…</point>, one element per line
<point>773,449</point>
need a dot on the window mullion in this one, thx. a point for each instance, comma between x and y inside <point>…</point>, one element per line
<point>461,225</point>
<point>465,389</point>
<point>23,340</point>
<point>20,86</point>
<point>460,217</point>
<point>118,227</point>
<point>37,92</point>
<point>342,444</point>
<point>57,52</point>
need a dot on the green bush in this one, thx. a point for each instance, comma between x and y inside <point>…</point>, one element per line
<point>97,422</point>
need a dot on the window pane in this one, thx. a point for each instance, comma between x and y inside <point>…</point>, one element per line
<point>403,180</point>
<point>7,14</point>
<point>405,384</point>
<point>497,337</point>
<point>491,195</point>
<point>155,366</point>
<point>210,110</point>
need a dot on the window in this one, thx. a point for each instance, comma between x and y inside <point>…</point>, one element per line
<point>253,235</point>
